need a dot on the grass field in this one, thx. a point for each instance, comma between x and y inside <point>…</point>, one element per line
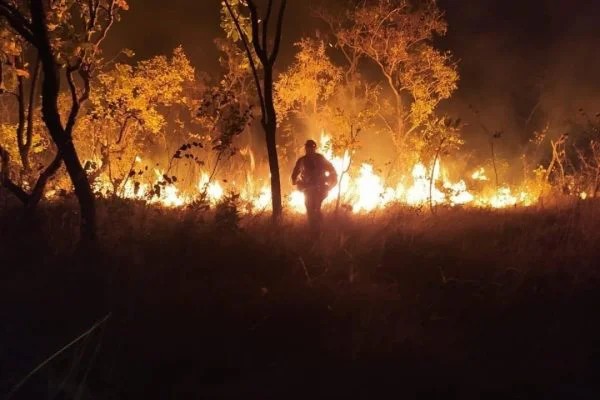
<point>399,304</point>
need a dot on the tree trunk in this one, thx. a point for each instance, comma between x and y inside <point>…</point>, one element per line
<point>5,180</point>
<point>270,131</point>
<point>265,93</point>
<point>52,119</point>
<point>83,191</point>
<point>494,161</point>
<point>23,153</point>
<point>40,185</point>
<point>25,147</point>
<point>270,127</point>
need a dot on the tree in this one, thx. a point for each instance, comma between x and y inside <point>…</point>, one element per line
<point>267,57</point>
<point>225,118</point>
<point>309,82</point>
<point>127,110</point>
<point>51,30</point>
<point>16,68</point>
<point>397,36</point>
<point>19,73</point>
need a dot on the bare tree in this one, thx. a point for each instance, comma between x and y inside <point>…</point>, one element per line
<point>267,57</point>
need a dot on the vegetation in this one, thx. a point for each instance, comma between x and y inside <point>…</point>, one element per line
<point>164,131</point>
<point>137,210</point>
<point>51,29</point>
<point>402,301</point>
<point>267,57</point>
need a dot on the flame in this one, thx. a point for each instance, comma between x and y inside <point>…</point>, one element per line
<point>214,191</point>
<point>169,194</point>
<point>360,187</point>
<point>371,192</point>
<point>367,191</point>
<point>263,200</point>
<point>459,193</point>
<point>503,198</point>
<point>479,175</point>
<point>419,192</point>
<point>170,197</point>
<point>296,201</point>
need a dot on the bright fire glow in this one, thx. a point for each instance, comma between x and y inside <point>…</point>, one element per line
<point>214,191</point>
<point>479,175</point>
<point>361,187</point>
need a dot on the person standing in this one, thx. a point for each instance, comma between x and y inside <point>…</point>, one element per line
<point>315,176</point>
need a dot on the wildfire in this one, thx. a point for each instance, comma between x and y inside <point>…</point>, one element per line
<point>361,188</point>
<point>479,175</point>
<point>260,201</point>
<point>213,190</point>
<point>367,191</point>
<point>422,189</point>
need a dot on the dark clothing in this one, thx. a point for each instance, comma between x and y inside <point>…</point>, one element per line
<point>314,170</point>
<point>315,176</point>
<point>313,199</point>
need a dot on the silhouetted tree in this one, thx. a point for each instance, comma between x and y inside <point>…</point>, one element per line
<point>267,56</point>
<point>51,30</point>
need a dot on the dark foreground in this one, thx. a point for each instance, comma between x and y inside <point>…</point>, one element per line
<point>468,304</point>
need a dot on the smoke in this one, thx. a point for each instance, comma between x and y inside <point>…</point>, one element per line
<point>523,66</point>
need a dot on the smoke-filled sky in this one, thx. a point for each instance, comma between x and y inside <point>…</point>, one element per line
<point>512,54</point>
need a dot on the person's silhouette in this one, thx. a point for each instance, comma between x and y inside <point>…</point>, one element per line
<point>314,175</point>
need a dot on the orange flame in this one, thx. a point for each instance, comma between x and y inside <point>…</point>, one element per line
<point>361,188</point>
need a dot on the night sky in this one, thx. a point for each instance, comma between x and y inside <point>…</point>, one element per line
<point>511,54</point>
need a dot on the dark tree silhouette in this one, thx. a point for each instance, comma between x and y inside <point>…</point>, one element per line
<point>29,20</point>
<point>267,57</point>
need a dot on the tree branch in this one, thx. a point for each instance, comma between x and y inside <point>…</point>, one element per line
<point>266,25</point>
<point>109,24</point>
<point>51,85</point>
<point>277,44</point>
<point>30,111</point>
<point>249,55</point>
<point>17,21</point>
<point>260,52</point>
<point>5,180</point>
<point>40,185</point>
<point>75,103</point>
<point>18,63</point>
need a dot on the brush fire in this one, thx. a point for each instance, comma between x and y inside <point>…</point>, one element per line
<point>311,199</point>
<point>363,192</point>
<point>165,132</point>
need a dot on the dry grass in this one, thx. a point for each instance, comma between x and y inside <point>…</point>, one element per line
<point>464,303</point>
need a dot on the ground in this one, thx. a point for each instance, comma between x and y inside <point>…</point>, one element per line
<point>403,303</point>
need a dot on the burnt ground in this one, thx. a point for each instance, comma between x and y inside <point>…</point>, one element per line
<point>464,304</point>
